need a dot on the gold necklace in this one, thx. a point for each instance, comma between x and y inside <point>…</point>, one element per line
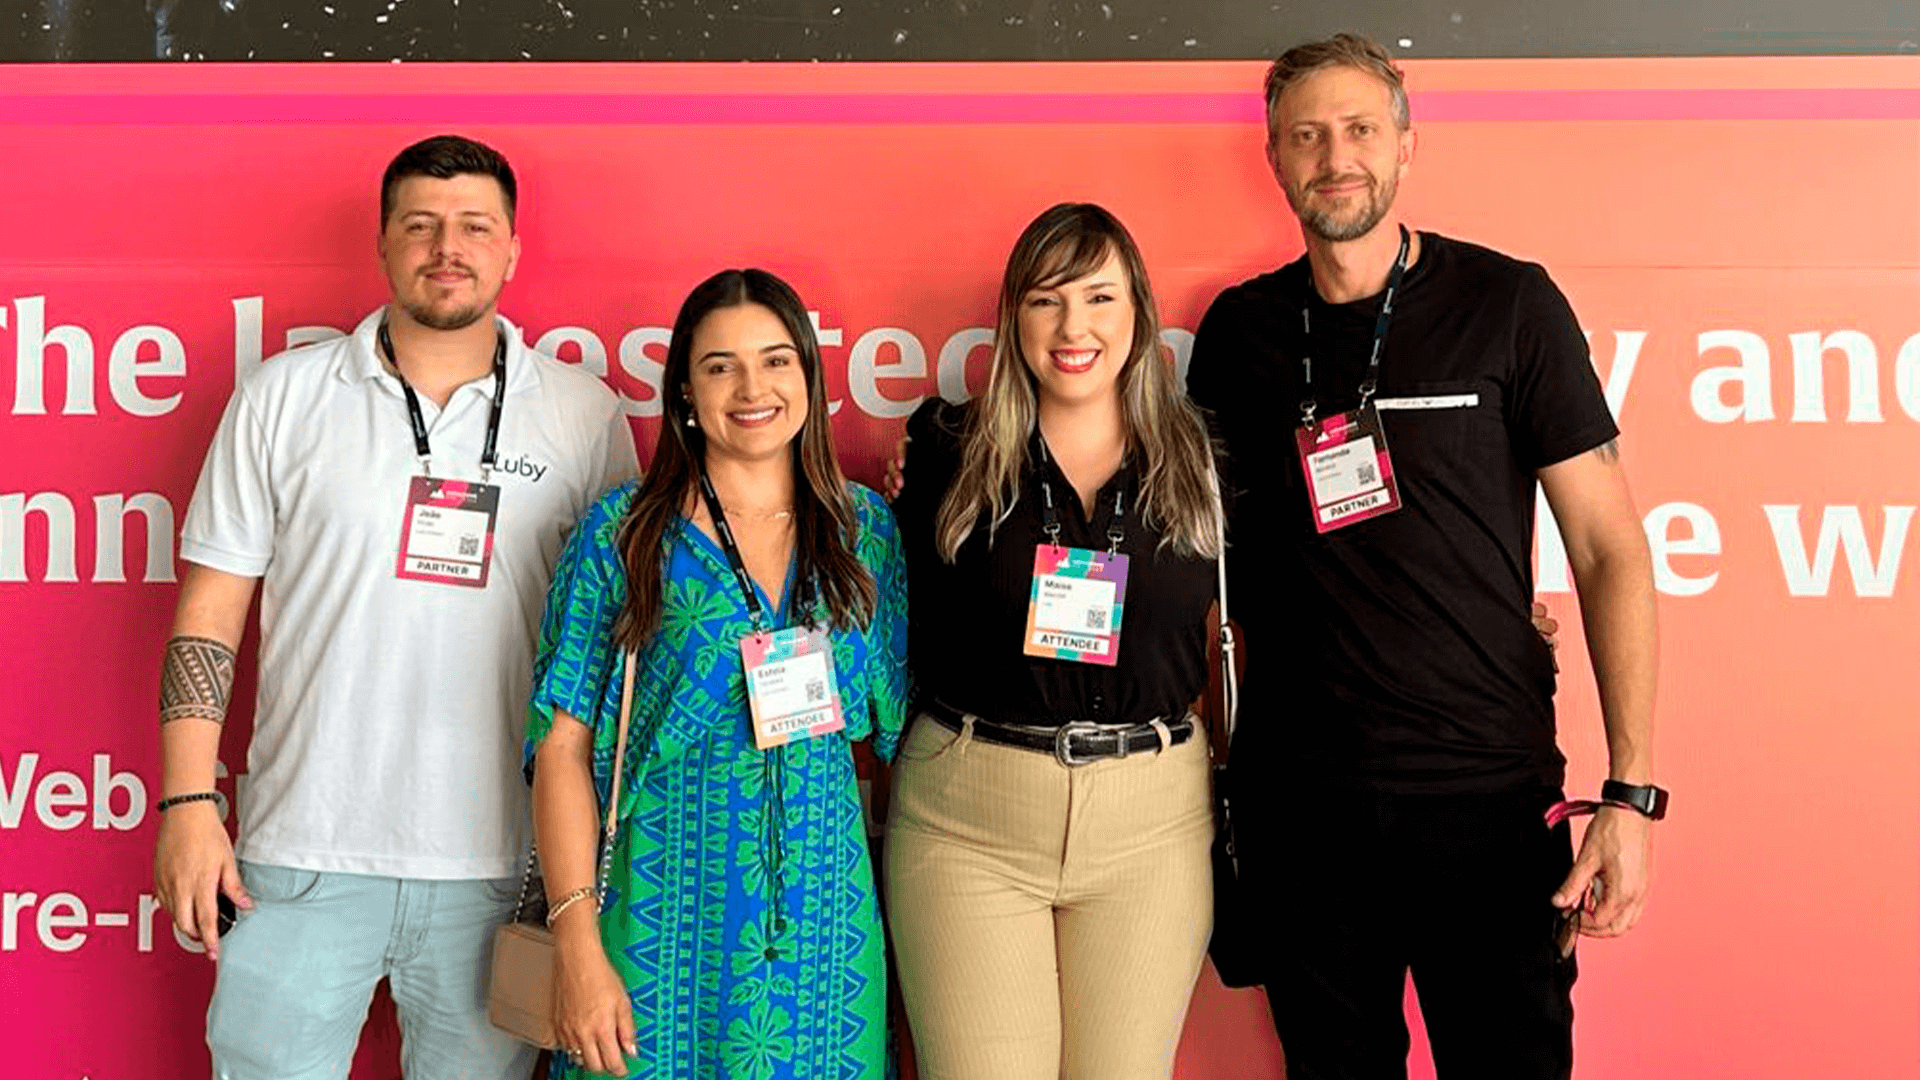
<point>759,515</point>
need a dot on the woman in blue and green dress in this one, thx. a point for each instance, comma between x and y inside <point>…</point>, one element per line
<point>737,934</point>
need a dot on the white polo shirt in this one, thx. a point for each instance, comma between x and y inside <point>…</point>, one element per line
<point>387,733</point>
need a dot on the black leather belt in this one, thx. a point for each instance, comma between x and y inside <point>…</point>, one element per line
<point>1079,742</point>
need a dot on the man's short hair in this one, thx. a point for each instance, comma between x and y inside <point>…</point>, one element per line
<point>1340,50</point>
<point>444,157</point>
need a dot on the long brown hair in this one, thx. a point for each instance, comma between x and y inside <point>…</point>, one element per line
<point>1165,432</point>
<point>825,529</point>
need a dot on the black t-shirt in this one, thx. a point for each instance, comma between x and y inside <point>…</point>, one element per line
<point>968,618</point>
<point>1397,652</point>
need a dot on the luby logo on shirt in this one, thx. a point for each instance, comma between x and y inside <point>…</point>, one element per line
<point>523,466</point>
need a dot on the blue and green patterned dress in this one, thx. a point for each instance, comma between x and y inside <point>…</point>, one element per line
<point>740,912</point>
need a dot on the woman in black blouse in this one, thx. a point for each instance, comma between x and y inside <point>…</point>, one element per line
<point>1047,867</point>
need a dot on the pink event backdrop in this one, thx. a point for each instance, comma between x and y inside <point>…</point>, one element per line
<point>1740,237</point>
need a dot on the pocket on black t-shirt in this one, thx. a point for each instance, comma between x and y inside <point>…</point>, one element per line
<point>1428,423</point>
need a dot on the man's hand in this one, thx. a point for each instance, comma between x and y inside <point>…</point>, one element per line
<point>192,862</point>
<point>193,859</point>
<point>897,469</point>
<point>1613,575</point>
<point>1616,860</point>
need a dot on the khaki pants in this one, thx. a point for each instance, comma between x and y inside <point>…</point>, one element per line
<point>1048,922</point>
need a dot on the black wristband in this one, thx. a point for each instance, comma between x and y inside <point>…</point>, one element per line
<point>175,800</point>
<point>1645,798</point>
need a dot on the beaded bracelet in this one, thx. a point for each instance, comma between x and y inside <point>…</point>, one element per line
<point>567,901</point>
<point>192,796</point>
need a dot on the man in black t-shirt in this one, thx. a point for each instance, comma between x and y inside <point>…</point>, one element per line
<point>1389,403</point>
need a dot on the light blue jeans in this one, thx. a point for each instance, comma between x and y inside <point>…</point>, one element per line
<point>297,973</point>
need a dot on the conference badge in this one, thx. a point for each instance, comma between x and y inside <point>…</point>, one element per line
<point>1075,607</point>
<point>446,536</point>
<point>1349,473</point>
<point>791,688</point>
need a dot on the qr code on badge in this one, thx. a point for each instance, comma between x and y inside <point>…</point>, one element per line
<point>816,691</point>
<point>1097,619</point>
<point>469,545</point>
<point>1368,474</point>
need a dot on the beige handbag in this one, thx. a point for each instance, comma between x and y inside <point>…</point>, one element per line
<point>520,995</point>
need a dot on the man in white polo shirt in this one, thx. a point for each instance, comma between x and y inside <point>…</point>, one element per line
<point>402,492</point>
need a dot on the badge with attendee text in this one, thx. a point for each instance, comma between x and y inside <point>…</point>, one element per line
<point>791,688</point>
<point>1075,608</point>
<point>446,535</point>
<point>1349,474</point>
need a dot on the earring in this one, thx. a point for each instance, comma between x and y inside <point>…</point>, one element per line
<point>690,422</point>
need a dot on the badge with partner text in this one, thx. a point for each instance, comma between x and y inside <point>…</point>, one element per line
<point>446,536</point>
<point>1349,474</point>
<point>1077,600</point>
<point>791,687</point>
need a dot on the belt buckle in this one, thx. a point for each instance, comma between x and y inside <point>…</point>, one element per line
<point>1063,742</point>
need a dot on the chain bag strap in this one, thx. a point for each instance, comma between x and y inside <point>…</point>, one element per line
<point>522,911</point>
<point>1229,664</point>
<point>1234,946</point>
<point>520,988</point>
<point>619,768</point>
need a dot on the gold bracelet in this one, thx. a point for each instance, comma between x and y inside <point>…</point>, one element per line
<point>567,901</point>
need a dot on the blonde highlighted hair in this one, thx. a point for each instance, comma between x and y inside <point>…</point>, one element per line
<point>1166,436</point>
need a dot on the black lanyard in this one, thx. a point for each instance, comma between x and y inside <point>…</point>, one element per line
<point>1372,381</point>
<point>727,544</point>
<point>1116,531</point>
<point>420,445</point>
<point>773,791</point>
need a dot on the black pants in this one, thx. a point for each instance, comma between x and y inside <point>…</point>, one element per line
<point>1365,886</point>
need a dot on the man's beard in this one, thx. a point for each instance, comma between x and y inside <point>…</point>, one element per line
<point>456,319</point>
<point>1325,225</point>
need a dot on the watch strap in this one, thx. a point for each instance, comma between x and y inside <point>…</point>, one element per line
<point>1648,799</point>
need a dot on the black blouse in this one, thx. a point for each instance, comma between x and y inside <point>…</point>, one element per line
<point>968,618</point>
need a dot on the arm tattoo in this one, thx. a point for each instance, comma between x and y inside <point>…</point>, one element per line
<point>196,680</point>
<point>1608,451</point>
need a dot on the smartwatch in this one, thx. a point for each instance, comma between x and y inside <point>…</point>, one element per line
<point>1646,798</point>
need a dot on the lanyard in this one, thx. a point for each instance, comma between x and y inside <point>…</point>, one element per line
<point>732,548</point>
<point>1372,381</point>
<point>420,445</point>
<point>1115,528</point>
<point>773,858</point>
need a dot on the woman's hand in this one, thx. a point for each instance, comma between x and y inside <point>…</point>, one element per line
<point>897,470</point>
<point>1548,628</point>
<point>592,1017</point>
